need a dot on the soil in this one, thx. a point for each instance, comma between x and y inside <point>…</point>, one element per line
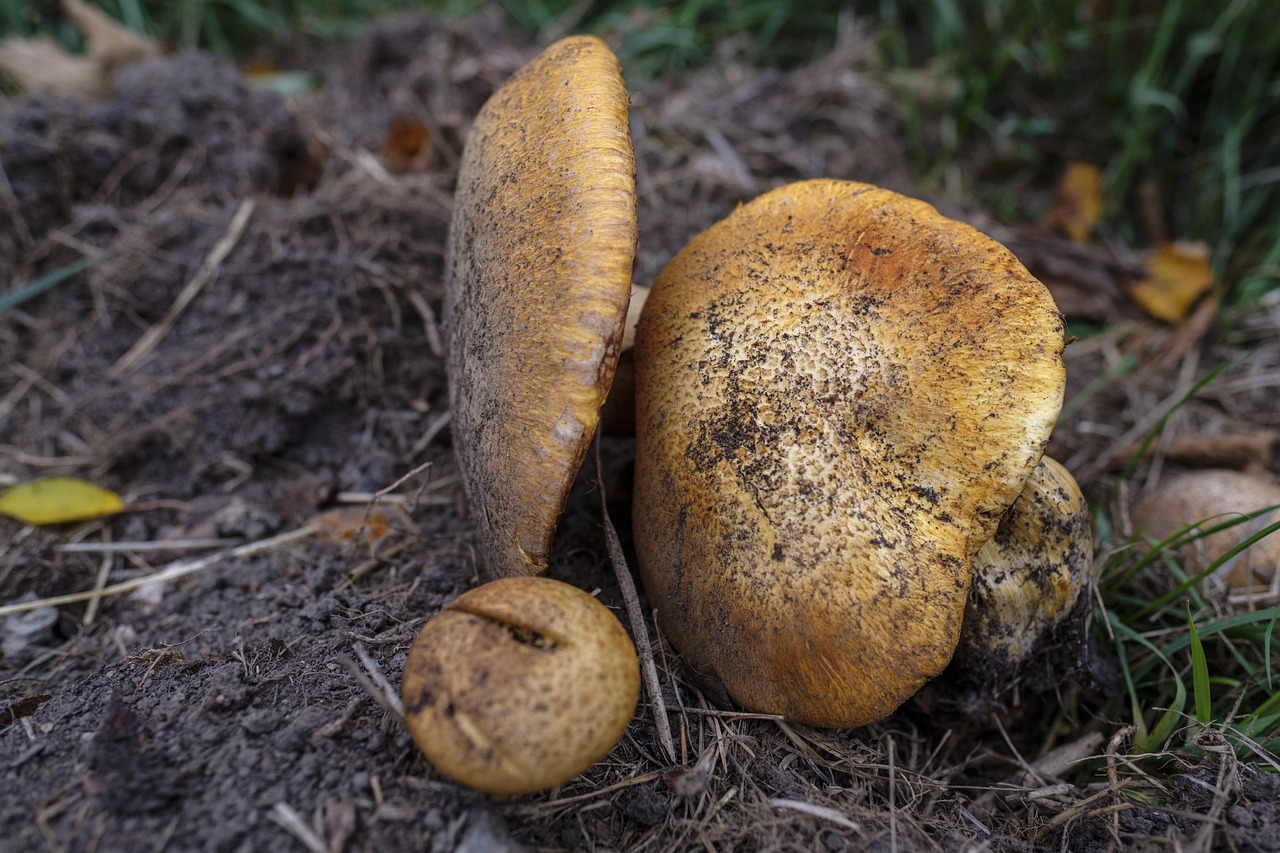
<point>243,707</point>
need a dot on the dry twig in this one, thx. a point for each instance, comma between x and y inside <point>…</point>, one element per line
<point>648,669</point>
<point>190,291</point>
<point>173,571</point>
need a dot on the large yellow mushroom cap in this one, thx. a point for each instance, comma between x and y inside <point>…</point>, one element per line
<point>538,274</point>
<point>839,393</point>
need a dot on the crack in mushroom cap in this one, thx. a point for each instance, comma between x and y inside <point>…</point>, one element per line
<point>538,274</point>
<point>520,684</point>
<point>839,393</point>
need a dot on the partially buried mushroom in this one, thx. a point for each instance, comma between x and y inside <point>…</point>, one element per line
<point>839,393</point>
<point>1029,576</point>
<point>538,274</point>
<point>1199,501</point>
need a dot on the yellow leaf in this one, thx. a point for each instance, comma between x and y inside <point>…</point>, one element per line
<point>55,500</point>
<point>1178,274</point>
<point>1079,201</point>
<point>407,145</point>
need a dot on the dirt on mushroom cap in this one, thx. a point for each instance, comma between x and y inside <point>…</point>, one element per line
<point>839,393</point>
<point>539,265</point>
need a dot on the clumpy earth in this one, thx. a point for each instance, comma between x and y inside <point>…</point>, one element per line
<point>245,706</point>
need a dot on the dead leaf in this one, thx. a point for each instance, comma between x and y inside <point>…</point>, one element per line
<point>42,65</point>
<point>362,524</point>
<point>407,145</point>
<point>1079,202</point>
<point>110,44</point>
<point>1178,274</point>
<point>57,500</point>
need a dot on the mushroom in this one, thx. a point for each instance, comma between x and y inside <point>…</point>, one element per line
<point>519,685</point>
<point>839,393</point>
<point>538,273</point>
<point>1029,576</point>
<point>1207,499</point>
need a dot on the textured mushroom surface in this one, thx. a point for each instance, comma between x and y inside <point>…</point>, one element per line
<point>1210,499</point>
<point>538,274</point>
<point>519,685</point>
<point>839,393</point>
<point>1028,577</point>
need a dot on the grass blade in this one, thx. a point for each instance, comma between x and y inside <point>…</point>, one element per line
<point>30,290</point>
<point>1199,674</point>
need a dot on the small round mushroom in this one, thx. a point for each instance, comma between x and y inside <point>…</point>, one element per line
<point>538,274</point>
<point>1207,499</point>
<point>519,685</point>
<point>839,393</point>
<point>1029,576</point>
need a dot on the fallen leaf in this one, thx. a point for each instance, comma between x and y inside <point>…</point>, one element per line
<point>57,500</point>
<point>42,65</point>
<point>407,145</point>
<point>1079,202</point>
<point>364,524</point>
<point>110,44</point>
<point>1178,275</point>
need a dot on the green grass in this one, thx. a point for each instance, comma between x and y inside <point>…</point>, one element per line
<point>1168,634</point>
<point>1190,664</point>
<point>1179,99</point>
<point>1166,630</point>
<point>1182,98</point>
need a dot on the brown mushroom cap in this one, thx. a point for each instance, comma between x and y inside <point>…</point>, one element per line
<point>1208,499</point>
<point>538,273</point>
<point>519,685</point>
<point>1028,577</point>
<point>839,392</point>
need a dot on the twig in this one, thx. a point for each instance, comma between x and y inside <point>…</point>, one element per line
<point>648,669</point>
<point>590,795</point>
<point>893,797</point>
<point>430,435</point>
<point>12,203</point>
<point>104,571</point>
<point>190,291</point>
<point>429,325</point>
<point>291,822</point>
<point>1113,780</point>
<point>173,571</point>
<point>814,811</point>
<point>404,501</point>
<point>121,547</point>
<point>375,672</point>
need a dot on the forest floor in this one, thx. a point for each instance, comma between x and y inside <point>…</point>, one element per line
<point>242,707</point>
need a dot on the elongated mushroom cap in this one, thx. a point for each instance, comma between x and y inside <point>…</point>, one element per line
<point>1028,577</point>
<point>538,273</point>
<point>839,392</point>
